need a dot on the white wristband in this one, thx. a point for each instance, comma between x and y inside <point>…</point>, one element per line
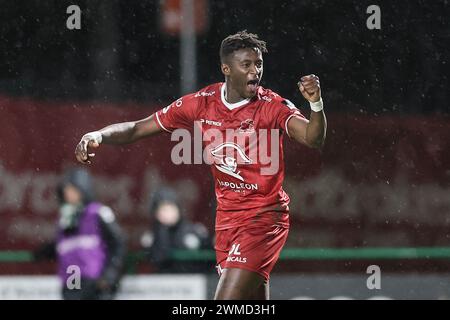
<point>94,135</point>
<point>316,106</point>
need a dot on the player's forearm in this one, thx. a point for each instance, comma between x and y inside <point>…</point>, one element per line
<point>127,132</point>
<point>119,133</point>
<point>316,129</point>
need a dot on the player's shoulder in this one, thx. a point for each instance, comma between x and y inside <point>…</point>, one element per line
<point>212,90</point>
<point>273,99</point>
<point>197,99</point>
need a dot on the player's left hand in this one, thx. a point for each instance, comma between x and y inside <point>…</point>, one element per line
<point>309,87</point>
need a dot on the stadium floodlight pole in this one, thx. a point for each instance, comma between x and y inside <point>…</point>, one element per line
<point>188,54</point>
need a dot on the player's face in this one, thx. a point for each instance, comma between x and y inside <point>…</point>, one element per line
<point>245,70</point>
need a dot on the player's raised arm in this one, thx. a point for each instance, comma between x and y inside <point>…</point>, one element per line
<point>118,133</point>
<point>311,133</point>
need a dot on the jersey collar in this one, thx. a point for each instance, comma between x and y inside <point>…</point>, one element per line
<point>231,106</point>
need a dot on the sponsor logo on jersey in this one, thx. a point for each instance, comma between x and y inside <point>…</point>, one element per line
<point>266,98</point>
<point>177,103</point>
<point>226,162</point>
<point>211,122</point>
<point>238,186</point>
<point>204,94</point>
<point>234,255</point>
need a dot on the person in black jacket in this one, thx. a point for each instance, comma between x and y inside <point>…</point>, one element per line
<point>172,231</point>
<point>89,240</point>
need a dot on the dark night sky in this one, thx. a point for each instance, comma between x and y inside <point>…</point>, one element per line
<point>402,68</point>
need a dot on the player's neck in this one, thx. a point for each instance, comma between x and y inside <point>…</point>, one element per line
<point>231,95</point>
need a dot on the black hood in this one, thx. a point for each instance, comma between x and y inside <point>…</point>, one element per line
<point>164,194</point>
<point>79,178</point>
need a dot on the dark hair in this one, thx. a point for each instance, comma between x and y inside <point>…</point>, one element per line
<point>164,194</point>
<point>240,40</point>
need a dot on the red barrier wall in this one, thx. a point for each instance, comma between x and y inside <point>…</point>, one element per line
<point>378,181</point>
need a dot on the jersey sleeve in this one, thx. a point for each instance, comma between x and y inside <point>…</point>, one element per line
<point>286,110</point>
<point>180,114</point>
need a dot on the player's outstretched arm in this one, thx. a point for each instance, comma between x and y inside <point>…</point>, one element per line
<point>118,133</point>
<point>311,133</point>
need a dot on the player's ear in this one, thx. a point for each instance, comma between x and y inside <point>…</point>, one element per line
<point>225,69</point>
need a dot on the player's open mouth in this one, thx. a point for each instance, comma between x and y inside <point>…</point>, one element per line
<point>253,84</point>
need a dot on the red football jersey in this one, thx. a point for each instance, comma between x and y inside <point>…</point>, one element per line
<point>243,143</point>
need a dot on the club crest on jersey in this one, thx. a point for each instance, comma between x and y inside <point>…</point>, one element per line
<point>226,162</point>
<point>247,126</point>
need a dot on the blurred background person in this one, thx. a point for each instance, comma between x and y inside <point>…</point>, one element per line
<point>88,237</point>
<point>172,230</point>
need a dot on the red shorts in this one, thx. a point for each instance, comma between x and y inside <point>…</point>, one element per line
<point>255,248</point>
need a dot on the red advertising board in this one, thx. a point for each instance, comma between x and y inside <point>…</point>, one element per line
<point>379,181</point>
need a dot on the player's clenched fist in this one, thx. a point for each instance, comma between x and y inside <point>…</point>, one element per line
<point>309,86</point>
<point>89,140</point>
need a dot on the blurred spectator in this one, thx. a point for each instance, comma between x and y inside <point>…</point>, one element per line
<point>171,231</point>
<point>88,237</point>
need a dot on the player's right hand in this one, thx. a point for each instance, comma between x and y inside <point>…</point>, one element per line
<point>309,87</point>
<point>89,140</point>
